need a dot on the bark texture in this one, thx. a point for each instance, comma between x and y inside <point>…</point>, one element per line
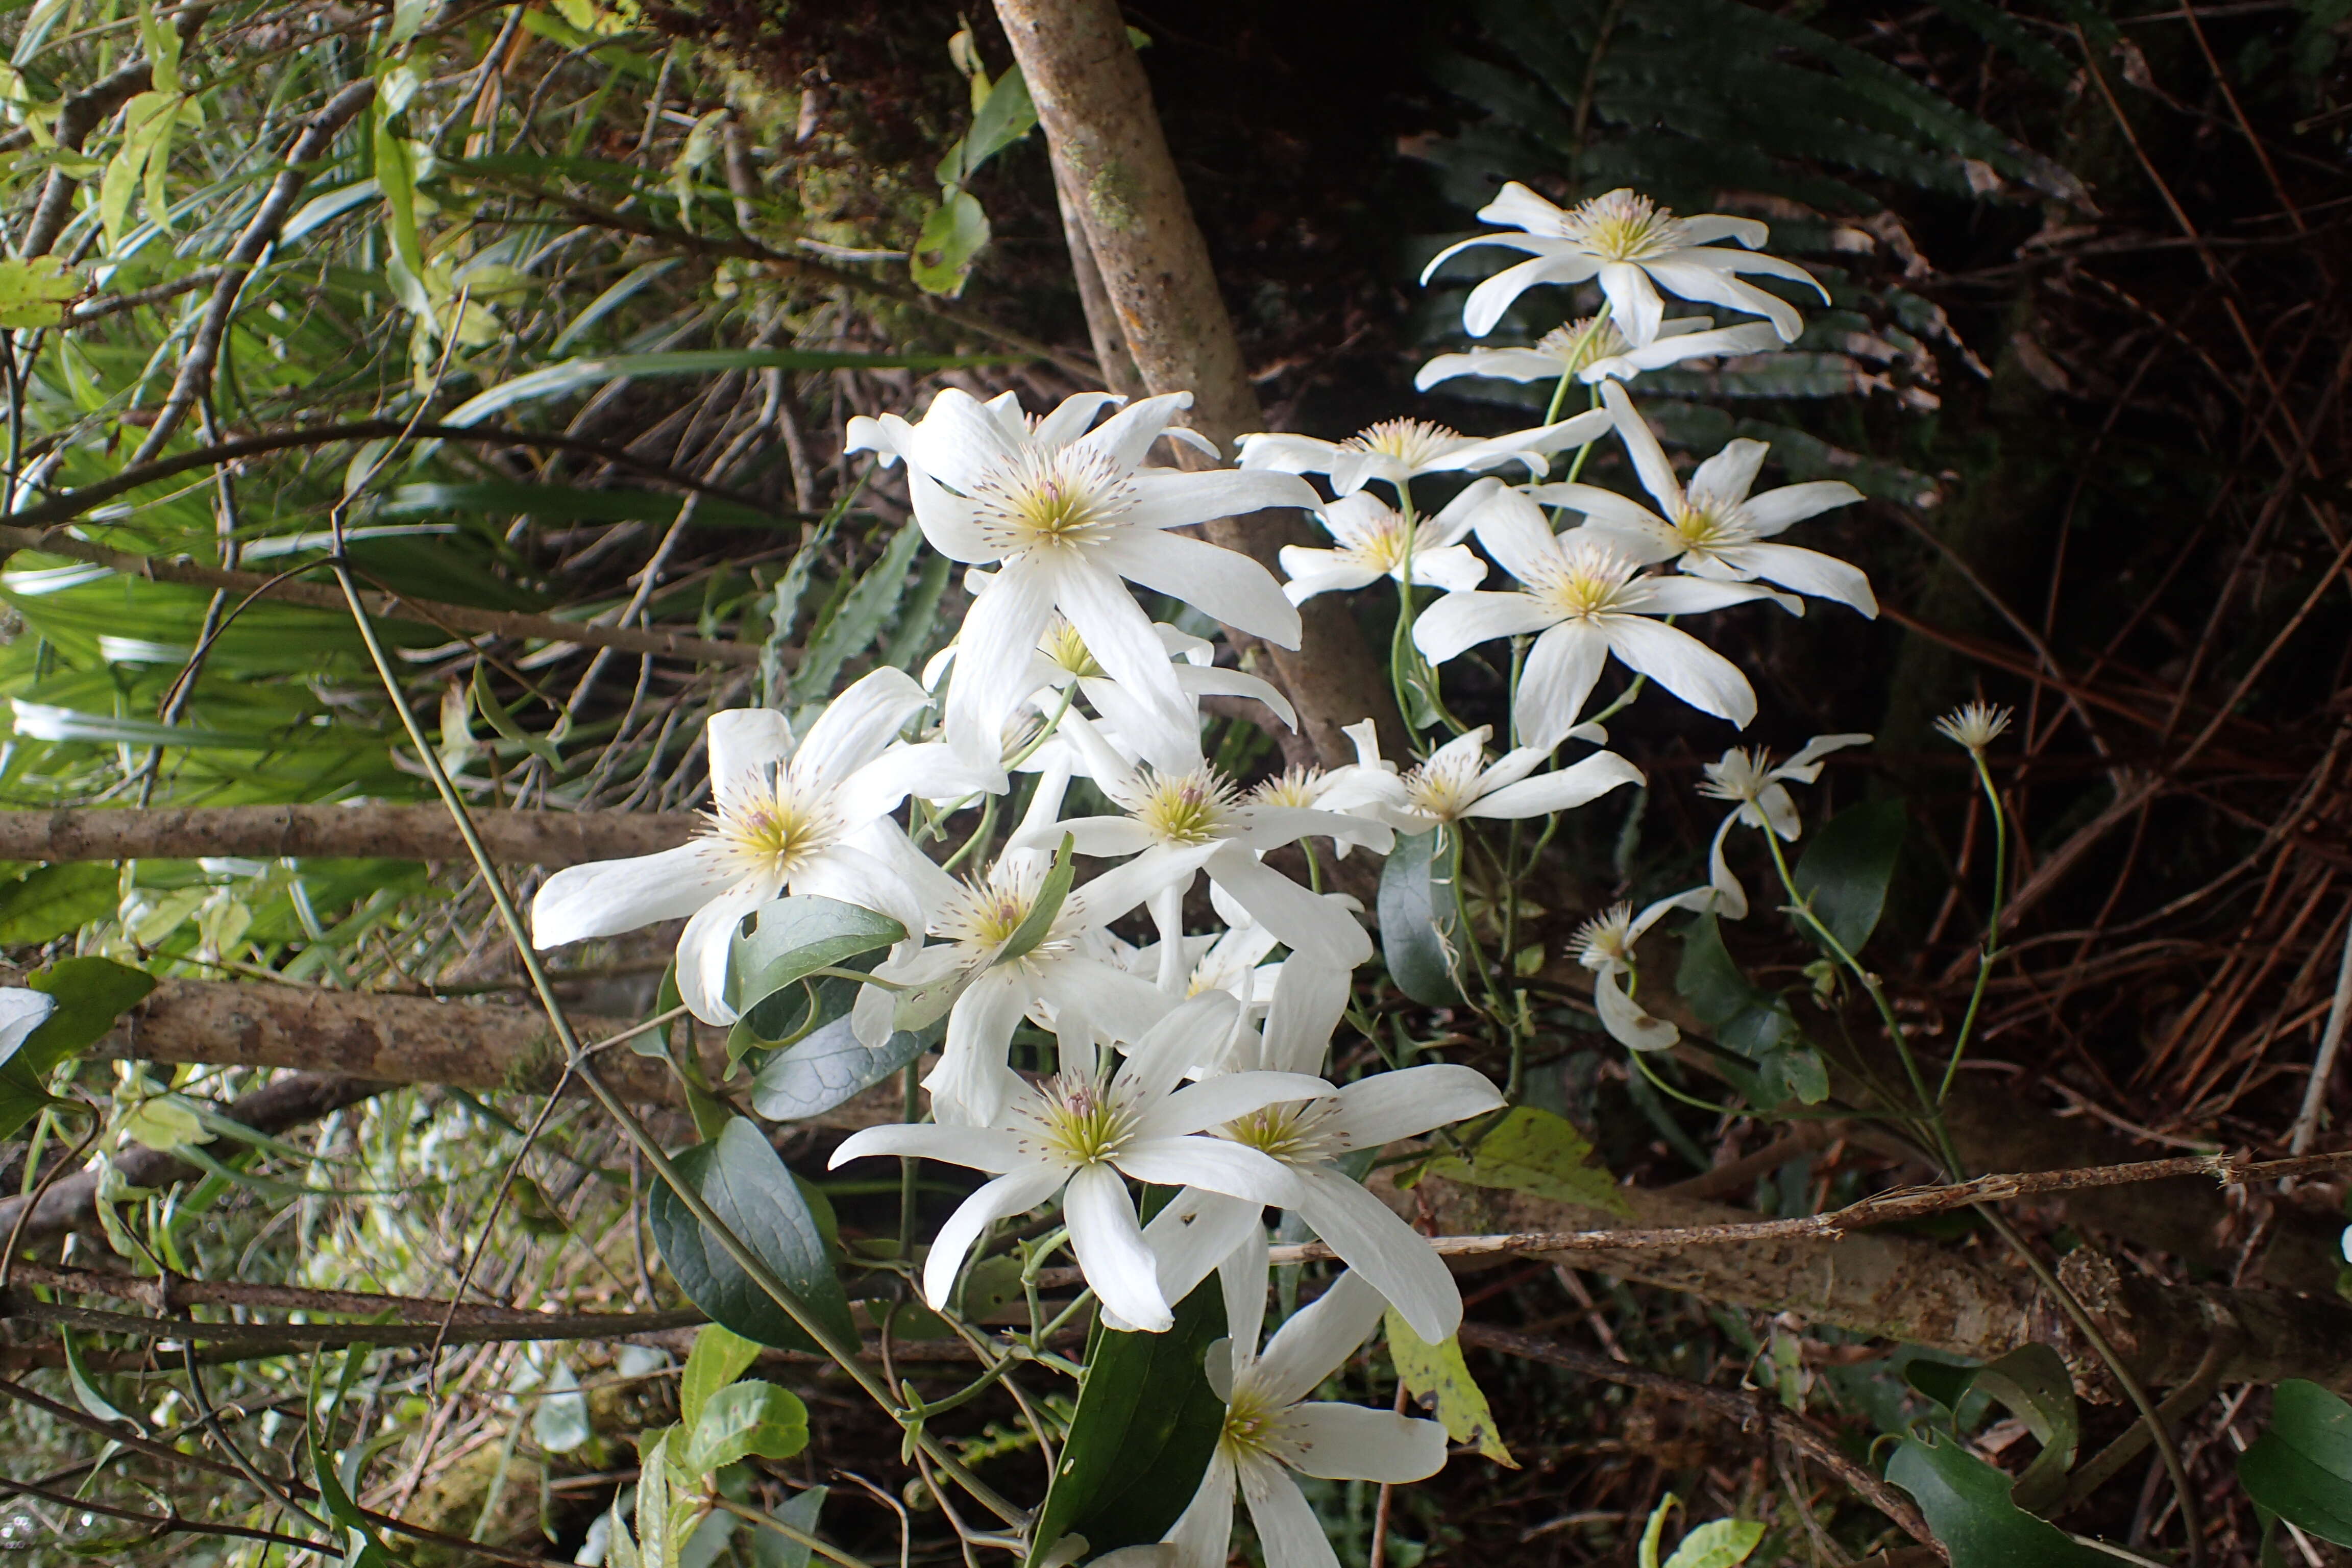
<point>1923,1292</point>
<point>1112,163</point>
<point>551,838</point>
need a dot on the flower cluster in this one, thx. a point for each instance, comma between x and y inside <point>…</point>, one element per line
<point>1197,1062</point>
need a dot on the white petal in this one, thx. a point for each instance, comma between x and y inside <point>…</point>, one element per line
<point>1497,364</point>
<point>1557,681</point>
<point>1460,621</point>
<point>1126,437</point>
<point>929,770</point>
<point>702,949</point>
<point>1111,1253</point>
<point>1117,631</point>
<point>1318,1339</point>
<point>1203,1537</point>
<point>1017,1192</point>
<point>22,1011</point>
<point>1515,532</point>
<point>972,1082</point>
<point>1571,786</point>
<point>1287,1530</point>
<point>1000,633</point>
<point>1194,1232</point>
<point>1391,1256</point>
<point>1488,301</point>
<point>1624,1018</point>
<point>1517,206</point>
<point>1352,1443</point>
<point>1701,228</point>
<point>950,523</point>
<point>1748,338</point>
<point>1730,897</point>
<point>1305,584</point>
<point>606,898</point>
<point>1620,513</point>
<point>1109,1002</point>
<point>990,1149</point>
<point>1212,1163</point>
<point>745,742</point>
<point>957,441</point>
<point>1120,889</point>
<point>1243,1274</point>
<point>1731,472</point>
<point>848,873</point>
<point>1633,302</point>
<point>1269,827</point>
<point>1387,1106</point>
<point>1776,509</point>
<point>1301,919</point>
<point>1686,666</point>
<point>1525,445</point>
<point>1642,446</point>
<point>1170,499</point>
<point>1309,1002</point>
<point>1452,567</point>
<point>1690,595</point>
<point>1288,454</point>
<point>1222,584</point>
<point>1213,1102</point>
<point>856,726</point>
<point>1198,680</point>
<point>1070,418</point>
<point>1807,571</point>
<point>1702,283</point>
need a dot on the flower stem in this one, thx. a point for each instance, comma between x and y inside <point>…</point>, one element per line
<point>1989,953</point>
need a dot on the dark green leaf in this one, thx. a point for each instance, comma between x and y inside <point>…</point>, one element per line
<point>1743,1016</point>
<point>756,1198</point>
<point>92,993</point>
<point>1042,914</point>
<point>1417,917</point>
<point>827,1069</point>
<point>2301,1469</point>
<point>504,722</point>
<point>773,1549</point>
<point>1005,117</point>
<point>952,236</point>
<point>1845,871</point>
<point>1967,1504</point>
<point>795,937</point>
<point>50,902</point>
<point>22,1097</point>
<point>1146,1426</point>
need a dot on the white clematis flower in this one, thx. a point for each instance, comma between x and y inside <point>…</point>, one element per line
<point>1635,249</point>
<point>1586,601</point>
<point>1376,542</point>
<point>1071,515</point>
<point>1759,790</point>
<point>1457,782</point>
<point>1310,1138</point>
<point>1179,823</point>
<point>1065,980</point>
<point>1591,349</point>
<point>809,818</point>
<point>1604,944</point>
<point>1274,1427</point>
<point>1714,528</point>
<point>1080,1132</point>
<point>1365,787</point>
<point>1398,452</point>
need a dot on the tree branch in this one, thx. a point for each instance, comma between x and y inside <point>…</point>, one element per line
<point>549,839</point>
<point>1111,154</point>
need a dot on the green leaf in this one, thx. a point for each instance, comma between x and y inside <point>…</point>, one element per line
<point>1845,871</point>
<point>49,901</point>
<point>1002,118</point>
<point>795,937</point>
<point>773,1549</point>
<point>719,1357</point>
<point>1146,1426</point>
<point>829,1068</point>
<point>560,1424</point>
<point>1720,1544</point>
<point>742,1419</point>
<point>91,993</point>
<point>36,293</point>
<point>952,237</point>
<point>1743,1016</point>
<point>22,1097</point>
<point>1967,1504</point>
<point>1043,913</point>
<point>2301,1469</point>
<point>856,623</point>
<point>755,1197</point>
<point>2034,1383</point>
<point>1533,1150</point>
<point>1437,1377</point>
<point>503,721</point>
<point>1417,917</point>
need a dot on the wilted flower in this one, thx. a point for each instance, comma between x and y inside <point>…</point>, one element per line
<point>1758,789</point>
<point>1974,725</point>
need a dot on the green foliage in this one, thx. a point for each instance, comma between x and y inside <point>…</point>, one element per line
<point>719,1356</point>
<point>1528,1150</point>
<point>36,293</point>
<point>792,939</point>
<point>955,230</point>
<point>1748,1019</point>
<point>1146,1425</point>
<point>752,1193</point>
<point>1046,908</point>
<point>830,1066</point>
<point>48,902</point>
<point>2033,1383</point>
<point>1438,1376</point>
<point>1846,868</point>
<point>1418,917</point>
<point>740,1420</point>
<point>2301,1468</point>
<point>1967,1504</point>
<point>1720,1544</point>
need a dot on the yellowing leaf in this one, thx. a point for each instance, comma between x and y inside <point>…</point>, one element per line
<point>35,293</point>
<point>1437,1375</point>
<point>1532,1150</point>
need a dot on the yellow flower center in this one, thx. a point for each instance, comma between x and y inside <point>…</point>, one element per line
<point>1622,227</point>
<point>1068,651</point>
<point>774,825</point>
<point>984,911</point>
<point>1444,787</point>
<point>1581,341</point>
<point>1298,1133</point>
<point>1585,581</point>
<point>1414,441</point>
<point>1299,786</point>
<point>1707,524</point>
<point>1605,941</point>
<point>1251,1424</point>
<point>1075,1121</point>
<point>1740,775</point>
<point>1064,499</point>
<point>1184,809</point>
